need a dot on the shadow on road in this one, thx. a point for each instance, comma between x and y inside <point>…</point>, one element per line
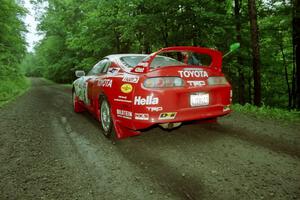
<point>266,141</point>
<point>167,158</point>
<point>149,153</point>
<point>170,179</point>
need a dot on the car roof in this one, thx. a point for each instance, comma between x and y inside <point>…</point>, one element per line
<point>118,56</point>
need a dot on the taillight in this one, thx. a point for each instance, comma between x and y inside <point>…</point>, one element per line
<point>163,82</point>
<point>217,80</point>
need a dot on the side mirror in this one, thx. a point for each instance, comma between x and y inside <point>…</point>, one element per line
<point>79,73</point>
<point>233,47</point>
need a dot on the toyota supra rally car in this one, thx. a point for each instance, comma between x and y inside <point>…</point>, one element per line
<point>132,92</point>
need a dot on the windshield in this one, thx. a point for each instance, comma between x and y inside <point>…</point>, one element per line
<point>181,58</point>
<point>131,61</point>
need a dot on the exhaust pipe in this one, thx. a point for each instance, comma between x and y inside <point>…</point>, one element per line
<point>170,125</point>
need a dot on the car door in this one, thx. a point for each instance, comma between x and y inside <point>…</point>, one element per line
<point>98,71</point>
<point>82,84</point>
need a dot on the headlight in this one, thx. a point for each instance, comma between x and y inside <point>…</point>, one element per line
<point>163,82</point>
<point>217,80</point>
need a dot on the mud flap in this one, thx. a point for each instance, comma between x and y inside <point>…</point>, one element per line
<point>78,106</point>
<point>123,132</point>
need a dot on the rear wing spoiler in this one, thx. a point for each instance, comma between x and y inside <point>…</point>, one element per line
<point>216,56</point>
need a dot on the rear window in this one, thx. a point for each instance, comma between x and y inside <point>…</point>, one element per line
<point>160,61</point>
<point>181,58</point>
<point>131,61</point>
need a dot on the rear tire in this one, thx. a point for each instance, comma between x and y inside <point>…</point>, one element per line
<point>106,121</point>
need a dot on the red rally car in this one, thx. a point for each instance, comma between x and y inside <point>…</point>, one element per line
<point>132,92</point>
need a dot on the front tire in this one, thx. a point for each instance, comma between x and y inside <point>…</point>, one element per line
<point>106,120</point>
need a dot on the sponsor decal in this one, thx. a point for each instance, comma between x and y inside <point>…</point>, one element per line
<point>167,115</point>
<point>141,116</point>
<point>139,69</point>
<point>126,88</point>
<point>124,114</point>
<point>123,100</point>
<point>113,71</point>
<point>196,83</point>
<point>130,79</point>
<point>143,64</point>
<point>149,100</point>
<point>154,109</point>
<point>193,73</point>
<point>105,83</point>
<point>122,97</point>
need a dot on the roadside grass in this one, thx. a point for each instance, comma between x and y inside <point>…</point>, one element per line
<point>69,85</point>
<point>10,88</point>
<point>268,112</point>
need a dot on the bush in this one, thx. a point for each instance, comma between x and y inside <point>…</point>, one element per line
<point>269,112</point>
<point>11,88</point>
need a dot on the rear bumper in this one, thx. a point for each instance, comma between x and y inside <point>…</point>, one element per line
<point>187,114</point>
<point>146,107</point>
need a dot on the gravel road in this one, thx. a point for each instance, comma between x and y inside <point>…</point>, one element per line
<point>49,152</point>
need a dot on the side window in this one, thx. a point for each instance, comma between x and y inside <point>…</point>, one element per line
<point>100,67</point>
<point>105,68</point>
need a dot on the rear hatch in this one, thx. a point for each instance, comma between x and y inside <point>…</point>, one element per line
<point>195,91</point>
<point>199,70</point>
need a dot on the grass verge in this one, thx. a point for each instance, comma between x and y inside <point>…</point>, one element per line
<point>268,112</point>
<point>10,88</point>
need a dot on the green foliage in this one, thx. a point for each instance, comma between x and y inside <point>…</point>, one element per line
<point>12,50</point>
<point>268,112</point>
<point>12,42</point>
<point>277,52</point>
<point>10,88</point>
<point>79,33</point>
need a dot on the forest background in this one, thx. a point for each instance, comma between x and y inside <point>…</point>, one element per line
<point>265,71</point>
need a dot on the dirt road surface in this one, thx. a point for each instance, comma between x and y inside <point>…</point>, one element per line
<point>49,152</point>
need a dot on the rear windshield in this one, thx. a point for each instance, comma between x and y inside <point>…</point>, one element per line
<point>181,58</point>
<point>160,61</point>
<point>131,61</point>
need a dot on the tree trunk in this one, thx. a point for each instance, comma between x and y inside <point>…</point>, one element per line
<point>250,88</point>
<point>241,86</point>
<point>286,74</point>
<point>118,42</point>
<point>294,81</point>
<point>165,37</point>
<point>296,47</point>
<point>255,51</point>
<point>298,73</point>
<point>146,48</point>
